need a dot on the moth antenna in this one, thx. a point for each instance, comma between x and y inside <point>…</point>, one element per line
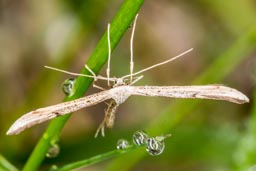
<point>68,72</point>
<point>131,47</point>
<point>161,63</point>
<point>109,55</point>
<point>77,74</point>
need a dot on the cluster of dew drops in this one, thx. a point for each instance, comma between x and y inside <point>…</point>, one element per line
<point>154,145</point>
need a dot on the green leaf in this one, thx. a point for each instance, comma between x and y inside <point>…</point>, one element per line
<point>6,165</point>
<point>95,159</point>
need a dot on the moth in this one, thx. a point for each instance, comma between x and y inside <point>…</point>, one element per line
<point>120,89</point>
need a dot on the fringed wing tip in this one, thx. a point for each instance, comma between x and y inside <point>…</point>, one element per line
<point>15,129</point>
<point>245,99</point>
<point>12,131</point>
<point>239,97</point>
<point>28,120</point>
<point>43,114</point>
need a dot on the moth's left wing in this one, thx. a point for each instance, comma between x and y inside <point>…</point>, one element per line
<point>43,114</point>
<point>214,92</point>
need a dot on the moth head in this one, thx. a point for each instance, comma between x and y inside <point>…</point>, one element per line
<point>119,82</point>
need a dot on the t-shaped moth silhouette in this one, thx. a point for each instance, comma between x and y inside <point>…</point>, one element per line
<point>120,90</point>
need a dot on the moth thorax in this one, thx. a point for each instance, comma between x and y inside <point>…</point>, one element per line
<point>120,94</point>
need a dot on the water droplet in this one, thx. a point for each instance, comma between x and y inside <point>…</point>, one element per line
<point>140,137</point>
<point>122,144</point>
<point>53,151</point>
<point>68,85</point>
<point>154,147</point>
<point>53,168</point>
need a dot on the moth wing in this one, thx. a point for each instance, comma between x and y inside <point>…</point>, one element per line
<point>43,114</point>
<point>214,92</point>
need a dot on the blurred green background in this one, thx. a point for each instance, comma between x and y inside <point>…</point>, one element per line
<point>207,135</point>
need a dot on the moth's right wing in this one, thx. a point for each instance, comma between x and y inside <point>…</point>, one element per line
<point>214,92</point>
<point>43,114</point>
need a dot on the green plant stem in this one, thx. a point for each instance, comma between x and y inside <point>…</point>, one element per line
<point>169,118</point>
<point>6,165</point>
<point>119,25</point>
<point>96,159</point>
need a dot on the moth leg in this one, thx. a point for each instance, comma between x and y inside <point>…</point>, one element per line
<point>102,125</point>
<point>91,71</point>
<point>109,118</point>
<point>98,87</point>
<point>110,114</point>
<point>94,77</point>
<point>100,128</point>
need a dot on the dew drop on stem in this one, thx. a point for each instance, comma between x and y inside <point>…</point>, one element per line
<point>53,168</point>
<point>68,86</point>
<point>140,137</point>
<point>154,147</point>
<point>122,144</point>
<point>53,151</point>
